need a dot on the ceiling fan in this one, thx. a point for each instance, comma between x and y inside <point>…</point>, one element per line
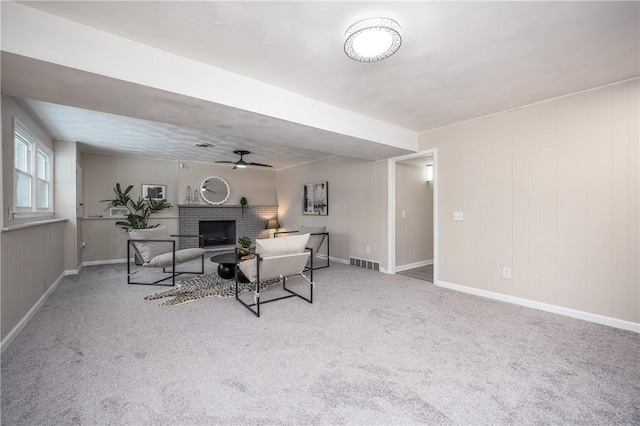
<point>241,163</point>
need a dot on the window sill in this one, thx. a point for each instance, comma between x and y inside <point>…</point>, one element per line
<point>30,215</point>
<point>31,224</point>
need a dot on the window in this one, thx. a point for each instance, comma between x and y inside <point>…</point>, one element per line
<point>33,174</point>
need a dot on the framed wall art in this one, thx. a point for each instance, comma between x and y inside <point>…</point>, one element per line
<point>315,199</point>
<point>157,192</point>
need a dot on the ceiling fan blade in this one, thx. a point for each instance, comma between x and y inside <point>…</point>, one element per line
<point>226,162</point>
<point>258,164</point>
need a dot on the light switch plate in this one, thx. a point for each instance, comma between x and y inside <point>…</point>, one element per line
<point>506,273</point>
<point>458,216</point>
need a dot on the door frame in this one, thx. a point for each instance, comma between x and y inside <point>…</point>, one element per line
<point>391,215</point>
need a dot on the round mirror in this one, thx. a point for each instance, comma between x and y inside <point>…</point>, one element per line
<point>214,190</point>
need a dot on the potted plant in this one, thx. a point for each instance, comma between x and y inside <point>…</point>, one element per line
<point>244,205</point>
<point>139,211</point>
<point>245,244</point>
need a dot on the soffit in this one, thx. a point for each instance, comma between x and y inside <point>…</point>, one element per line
<point>458,60</point>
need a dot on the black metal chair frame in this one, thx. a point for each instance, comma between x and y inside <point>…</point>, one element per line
<point>326,234</point>
<point>257,302</point>
<point>173,271</point>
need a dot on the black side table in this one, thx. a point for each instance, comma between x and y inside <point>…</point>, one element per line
<point>227,267</point>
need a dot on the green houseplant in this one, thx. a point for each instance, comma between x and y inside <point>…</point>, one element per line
<point>244,205</point>
<point>139,210</point>
<point>245,243</point>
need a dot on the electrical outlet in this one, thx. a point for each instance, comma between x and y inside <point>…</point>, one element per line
<point>368,250</point>
<point>404,213</point>
<point>458,216</point>
<point>506,273</point>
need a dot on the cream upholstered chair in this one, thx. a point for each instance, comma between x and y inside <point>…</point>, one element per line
<point>317,236</point>
<point>276,258</point>
<point>155,248</point>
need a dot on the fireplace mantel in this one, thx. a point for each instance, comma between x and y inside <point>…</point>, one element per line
<point>224,206</point>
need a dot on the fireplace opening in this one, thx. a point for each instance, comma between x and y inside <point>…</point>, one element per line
<point>218,232</point>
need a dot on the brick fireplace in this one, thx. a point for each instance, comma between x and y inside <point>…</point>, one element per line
<point>251,224</point>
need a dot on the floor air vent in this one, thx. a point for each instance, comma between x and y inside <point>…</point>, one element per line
<point>363,263</point>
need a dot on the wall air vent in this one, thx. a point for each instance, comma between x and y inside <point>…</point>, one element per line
<point>364,263</point>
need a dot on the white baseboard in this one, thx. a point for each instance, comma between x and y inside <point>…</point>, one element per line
<point>73,271</point>
<point>70,272</point>
<point>103,262</point>
<point>414,265</point>
<point>18,328</point>
<point>338,260</point>
<point>554,309</point>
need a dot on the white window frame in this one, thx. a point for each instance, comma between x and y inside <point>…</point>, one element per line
<point>35,146</point>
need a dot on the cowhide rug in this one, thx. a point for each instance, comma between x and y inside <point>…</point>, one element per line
<point>201,287</point>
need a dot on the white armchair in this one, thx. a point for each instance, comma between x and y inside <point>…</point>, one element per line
<point>276,258</point>
<point>157,249</point>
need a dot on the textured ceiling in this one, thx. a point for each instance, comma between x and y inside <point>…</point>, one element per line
<point>458,60</point>
<point>112,134</point>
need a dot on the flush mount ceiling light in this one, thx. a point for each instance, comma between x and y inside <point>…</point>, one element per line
<point>372,39</point>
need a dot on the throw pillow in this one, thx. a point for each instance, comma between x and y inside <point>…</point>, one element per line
<point>281,246</point>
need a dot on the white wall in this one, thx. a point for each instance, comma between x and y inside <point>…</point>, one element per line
<point>357,204</point>
<point>552,191</point>
<point>414,232</point>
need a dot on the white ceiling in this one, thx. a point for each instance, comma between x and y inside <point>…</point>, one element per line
<point>457,61</point>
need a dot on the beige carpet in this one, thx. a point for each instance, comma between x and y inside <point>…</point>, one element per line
<point>373,349</point>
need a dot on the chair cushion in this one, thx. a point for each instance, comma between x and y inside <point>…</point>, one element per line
<point>283,245</point>
<point>149,250</point>
<point>315,241</point>
<point>166,259</point>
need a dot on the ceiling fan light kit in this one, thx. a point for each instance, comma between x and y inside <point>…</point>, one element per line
<point>241,164</point>
<point>372,39</point>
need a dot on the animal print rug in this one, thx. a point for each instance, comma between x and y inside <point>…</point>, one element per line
<point>204,286</point>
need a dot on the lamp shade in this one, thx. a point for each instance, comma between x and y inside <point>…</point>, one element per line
<point>272,224</point>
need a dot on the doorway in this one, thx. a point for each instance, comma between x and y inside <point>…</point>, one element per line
<point>412,215</point>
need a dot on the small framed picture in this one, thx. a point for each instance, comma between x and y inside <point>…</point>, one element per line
<point>157,192</point>
<point>118,211</point>
<point>315,199</point>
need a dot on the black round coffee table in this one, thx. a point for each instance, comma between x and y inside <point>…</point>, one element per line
<point>227,267</point>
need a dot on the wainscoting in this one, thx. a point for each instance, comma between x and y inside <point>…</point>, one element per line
<point>32,261</point>
<point>106,241</point>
